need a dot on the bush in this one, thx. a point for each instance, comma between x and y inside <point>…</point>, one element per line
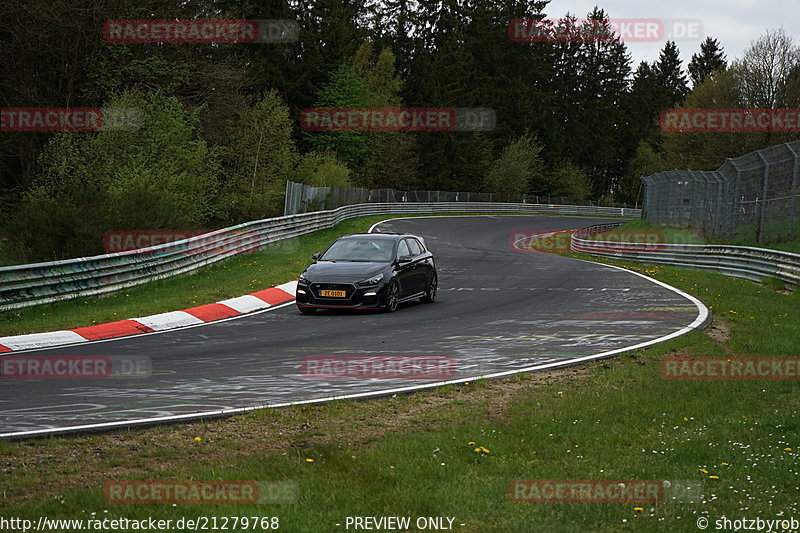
<point>321,169</point>
<point>258,160</point>
<point>510,174</point>
<point>569,181</point>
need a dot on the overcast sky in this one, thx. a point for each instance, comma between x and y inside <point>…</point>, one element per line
<point>734,23</point>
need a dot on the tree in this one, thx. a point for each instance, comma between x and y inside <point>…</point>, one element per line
<point>707,150</point>
<point>768,78</point>
<point>161,175</point>
<point>392,161</point>
<point>346,88</point>
<point>604,67</point>
<point>710,60</point>
<point>567,180</point>
<point>647,160</point>
<point>321,169</point>
<point>517,166</point>
<point>670,75</point>
<point>258,157</point>
<point>644,103</point>
<point>764,70</point>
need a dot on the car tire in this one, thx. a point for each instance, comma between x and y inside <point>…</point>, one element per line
<point>392,297</point>
<point>307,310</point>
<point>430,291</point>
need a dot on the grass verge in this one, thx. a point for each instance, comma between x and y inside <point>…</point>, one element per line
<point>685,235</point>
<point>409,455</point>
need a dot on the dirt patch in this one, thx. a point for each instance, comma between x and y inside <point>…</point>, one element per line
<point>720,333</point>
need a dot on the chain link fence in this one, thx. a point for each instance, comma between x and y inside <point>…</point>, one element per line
<point>750,198</point>
<point>307,199</point>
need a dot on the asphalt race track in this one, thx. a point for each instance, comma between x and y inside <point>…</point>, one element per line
<point>498,310</point>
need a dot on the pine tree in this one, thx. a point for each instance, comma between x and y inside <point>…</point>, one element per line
<point>670,75</point>
<point>710,59</point>
<point>644,104</point>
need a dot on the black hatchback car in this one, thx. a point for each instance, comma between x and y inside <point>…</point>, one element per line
<point>368,271</point>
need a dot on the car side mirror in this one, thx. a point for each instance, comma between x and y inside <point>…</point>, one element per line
<point>404,259</point>
<point>316,257</point>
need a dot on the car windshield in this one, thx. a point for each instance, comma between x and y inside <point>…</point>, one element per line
<point>360,250</point>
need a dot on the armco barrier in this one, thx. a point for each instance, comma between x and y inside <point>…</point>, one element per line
<point>38,283</point>
<point>754,264</point>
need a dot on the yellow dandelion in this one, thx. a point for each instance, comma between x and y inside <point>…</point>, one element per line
<point>638,509</point>
<point>197,439</point>
<point>470,443</point>
<point>787,449</point>
<point>685,419</point>
<point>309,460</point>
<point>724,464</point>
<point>703,470</point>
<point>713,477</point>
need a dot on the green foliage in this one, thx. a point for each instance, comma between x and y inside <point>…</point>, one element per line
<point>646,161</point>
<point>710,59</point>
<point>669,72</point>
<point>258,158</point>
<point>569,181</point>
<point>517,166</point>
<point>157,176</point>
<point>380,72</point>
<point>347,88</point>
<point>707,151</point>
<point>321,169</point>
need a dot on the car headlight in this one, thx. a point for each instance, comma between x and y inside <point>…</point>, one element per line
<point>302,280</point>
<point>371,281</point>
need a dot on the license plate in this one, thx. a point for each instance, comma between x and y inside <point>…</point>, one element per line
<point>333,294</point>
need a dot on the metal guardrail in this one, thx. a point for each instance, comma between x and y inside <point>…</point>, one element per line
<point>38,283</point>
<point>754,264</point>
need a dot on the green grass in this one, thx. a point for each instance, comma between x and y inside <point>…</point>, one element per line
<point>408,456</point>
<point>685,235</point>
<point>639,229</point>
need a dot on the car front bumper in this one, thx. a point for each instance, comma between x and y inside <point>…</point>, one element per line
<point>356,297</point>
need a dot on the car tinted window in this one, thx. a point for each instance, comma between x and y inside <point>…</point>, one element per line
<point>402,249</point>
<point>414,246</point>
<point>359,250</point>
<point>421,246</point>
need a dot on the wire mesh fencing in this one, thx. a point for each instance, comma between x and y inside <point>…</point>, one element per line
<point>750,198</point>
<point>302,198</point>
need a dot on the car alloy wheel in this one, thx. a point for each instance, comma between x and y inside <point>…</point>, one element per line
<point>430,294</point>
<point>392,296</point>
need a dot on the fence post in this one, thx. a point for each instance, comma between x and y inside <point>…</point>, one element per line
<point>286,199</point>
<point>718,214</point>
<point>736,204</point>
<point>793,193</point>
<point>763,205</point>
